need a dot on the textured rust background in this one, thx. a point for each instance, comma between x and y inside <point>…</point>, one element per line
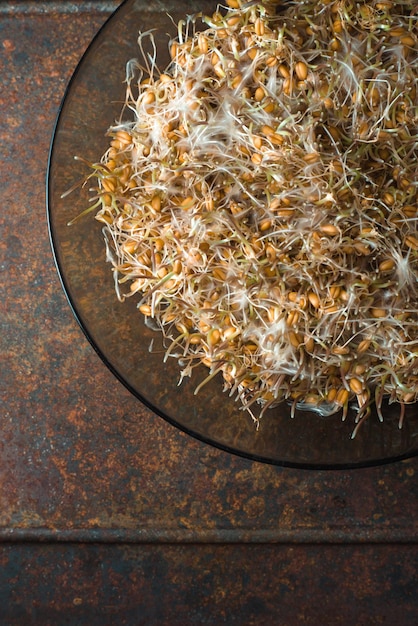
<point>83,465</point>
<point>175,585</point>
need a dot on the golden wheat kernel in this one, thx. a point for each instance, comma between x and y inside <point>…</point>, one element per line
<point>388,198</point>
<point>149,97</point>
<point>301,70</point>
<point>195,339</point>
<point>145,258</point>
<point>177,266</point>
<point>267,130</point>
<point>145,309</point>
<point>117,145</point>
<point>259,27</point>
<point>397,31</point>
<point>124,137</point>
<point>410,210</point>
<point>246,93</point>
<point>404,183</point>
<point>408,40</point>
<point>235,208</point>
<point>202,43</point>
<point>342,397</point>
<point>356,385</point>
<point>215,57</point>
<point>159,244</point>
<point>334,291</point>
<point>257,141</point>
<point>274,204</point>
<point>256,158</point>
<point>136,285</point>
<point>156,203</point>
<point>271,61</point>
<point>292,318</point>
<point>107,201</point>
<point>284,70</point>
<point>209,204</point>
<point>383,135</point>
<point>341,350</point>
<point>312,398</point>
<point>219,273</point>
<point>328,103</point>
<point>271,252</point>
<point>361,248</point>
<point>404,134</point>
<point>276,139</point>
<point>337,26</point>
<point>157,258</point>
<point>331,308</point>
<point>252,53</point>
<point>316,248</point>
<point>311,157</point>
<point>229,333</point>
<point>129,247</point>
<point>204,326</point>
<point>270,272</point>
<point>335,44</point>
<point>374,96</point>
<point>236,81</point>
<point>288,85</point>
<point>174,49</point>
<point>233,20</point>
<point>265,224</point>
<point>331,394</point>
<point>294,339</point>
<point>360,369</point>
<point>269,106</point>
<point>161,272</point>
<point>244,150</point>
<point>219,71</point>
<point>213,337</point>
<point>314,300</point>
<point>387,265</point>
<point>125,174</point>
<point>411,241</point>
<point>334,132</point>
<point>378,313</point>
<point>329,229</point>
<point>367,231</point>
<point>309,343</point>
<point>234,4</point>
<point>112,153</point>
<point>109,184</point>
<point>187,203</point>
<point>259,94</point>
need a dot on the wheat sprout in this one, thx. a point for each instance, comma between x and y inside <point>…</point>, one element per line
<point>261,202</point>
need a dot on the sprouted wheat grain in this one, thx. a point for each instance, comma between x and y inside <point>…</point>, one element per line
<point>261,202</point>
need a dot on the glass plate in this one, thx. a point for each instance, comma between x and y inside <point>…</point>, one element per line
<point>116,330</point>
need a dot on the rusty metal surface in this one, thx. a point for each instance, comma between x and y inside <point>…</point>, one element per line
<point>81,460</point>
<point>179,585</point>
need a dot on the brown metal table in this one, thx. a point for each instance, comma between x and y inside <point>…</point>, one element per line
<point>109,515</point>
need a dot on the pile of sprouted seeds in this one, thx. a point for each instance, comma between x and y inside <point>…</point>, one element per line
<point>261,201</point>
